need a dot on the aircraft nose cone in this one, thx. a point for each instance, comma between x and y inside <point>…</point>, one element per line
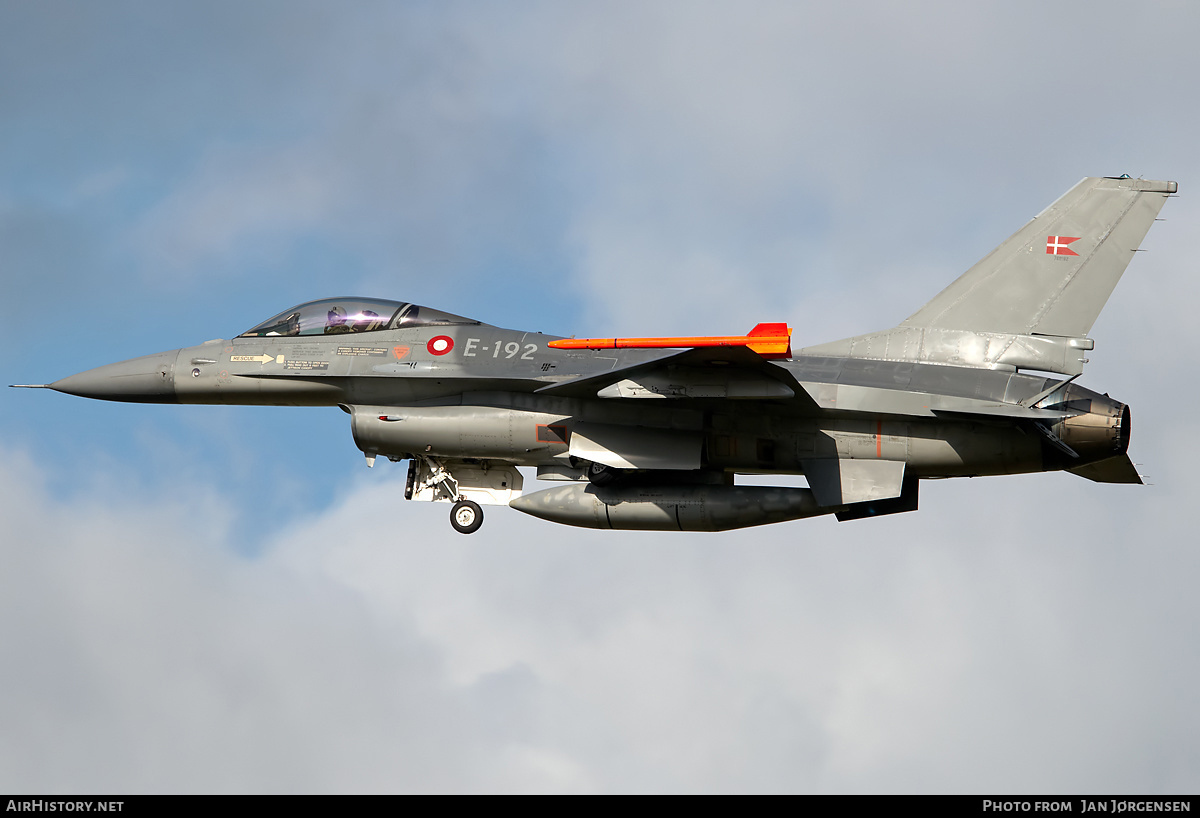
<point>150,379</point>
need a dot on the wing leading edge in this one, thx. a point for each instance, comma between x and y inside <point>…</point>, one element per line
<point>709,372</point>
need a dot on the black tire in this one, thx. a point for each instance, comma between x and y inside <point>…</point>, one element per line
<point>466,517</point>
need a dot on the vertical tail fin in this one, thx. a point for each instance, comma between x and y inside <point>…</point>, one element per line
<point>1030,303</point>
<point>1054,275</point>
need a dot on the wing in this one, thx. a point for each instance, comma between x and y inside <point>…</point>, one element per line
<point>735,373</point>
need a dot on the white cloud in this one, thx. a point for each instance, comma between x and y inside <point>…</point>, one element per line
<point>665,157</point>
<point>370,648</point>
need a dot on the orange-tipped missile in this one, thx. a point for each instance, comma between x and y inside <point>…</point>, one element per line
<point>768,340</point>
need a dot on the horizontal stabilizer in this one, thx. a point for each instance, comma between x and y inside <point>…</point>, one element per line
<point>1118,469</point>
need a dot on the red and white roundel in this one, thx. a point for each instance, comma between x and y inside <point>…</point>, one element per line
<point>440,345</point>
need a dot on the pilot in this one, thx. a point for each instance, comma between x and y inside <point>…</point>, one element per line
<point>335,321</point>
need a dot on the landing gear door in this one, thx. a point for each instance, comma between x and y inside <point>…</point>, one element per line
<point>448,481</point>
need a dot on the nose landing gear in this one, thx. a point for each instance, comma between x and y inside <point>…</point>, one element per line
<point>466,484</point>
<point>466,517</point>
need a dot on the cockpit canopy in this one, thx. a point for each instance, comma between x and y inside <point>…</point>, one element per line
<point>335,316</point>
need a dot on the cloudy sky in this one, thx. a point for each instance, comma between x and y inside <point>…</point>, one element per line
<point>224,599</point>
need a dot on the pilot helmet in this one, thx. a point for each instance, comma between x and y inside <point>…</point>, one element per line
<point>336,316</point>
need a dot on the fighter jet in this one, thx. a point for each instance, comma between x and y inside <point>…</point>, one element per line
<point>650,433</point>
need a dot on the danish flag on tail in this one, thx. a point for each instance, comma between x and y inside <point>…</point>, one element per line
<point>1057,245</point>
